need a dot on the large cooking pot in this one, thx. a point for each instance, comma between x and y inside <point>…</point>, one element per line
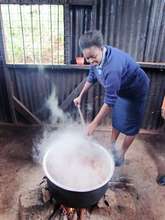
<point>80,195</point>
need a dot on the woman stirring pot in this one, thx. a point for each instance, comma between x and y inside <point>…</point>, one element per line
<point>125,84</point>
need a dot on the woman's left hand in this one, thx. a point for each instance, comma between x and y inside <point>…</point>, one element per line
<point>91,128</point>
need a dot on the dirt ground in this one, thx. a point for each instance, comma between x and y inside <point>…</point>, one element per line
<point>18,173</point>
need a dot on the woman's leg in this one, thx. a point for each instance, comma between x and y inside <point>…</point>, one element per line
<point>127,142</point>
<point>118,157</point>
<point>114,136</point>
<point>120,153</point>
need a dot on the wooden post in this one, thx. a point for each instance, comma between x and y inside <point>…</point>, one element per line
<point>6,75</point>
<point>72,95</point>
<point>25,112</point>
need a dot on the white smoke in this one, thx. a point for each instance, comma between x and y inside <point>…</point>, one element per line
<point>74,160</point>
<point>73,156</point>
<point>57,119</point>
<point>56,113</point>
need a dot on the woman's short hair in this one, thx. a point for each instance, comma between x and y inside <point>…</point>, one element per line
<point>91,38</point>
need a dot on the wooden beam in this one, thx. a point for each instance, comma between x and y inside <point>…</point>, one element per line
<point>25,112</point>
<point>8,82</point>
<point>82,2</point>
<point>67,37</point>
<point>32,2</point>
<point>72,95</point>
<point>52,2</point>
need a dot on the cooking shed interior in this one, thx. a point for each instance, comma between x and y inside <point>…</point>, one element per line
<point>39,77</point>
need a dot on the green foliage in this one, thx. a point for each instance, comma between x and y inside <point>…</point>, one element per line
<point>33,33</point>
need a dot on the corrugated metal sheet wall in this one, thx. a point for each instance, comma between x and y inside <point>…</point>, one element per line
<point>80,21</point>
<point>4,102</point>
<point>33,86</point>
<point>137,27</point>
<point>153,119</point>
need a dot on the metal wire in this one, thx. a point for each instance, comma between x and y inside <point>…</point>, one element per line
<point>40,34</point>
<point>58,32</point>
<point>31,12</point>
<point>54,33</point>
<point>22,31</point>
<point>51,35</point>
<point>11,35</point>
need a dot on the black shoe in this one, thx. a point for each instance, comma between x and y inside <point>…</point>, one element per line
<point>161,180</point>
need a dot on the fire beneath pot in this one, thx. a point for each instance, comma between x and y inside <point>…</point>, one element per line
<point>117,203</point>
<point>60,211</point>
<point>70,213</point>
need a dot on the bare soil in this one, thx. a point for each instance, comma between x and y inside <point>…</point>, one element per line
<point>144,159</point>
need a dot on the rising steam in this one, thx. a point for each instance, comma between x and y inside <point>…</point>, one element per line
<point>57,115</point>
<point>57,119</point>
<point>71,150</point>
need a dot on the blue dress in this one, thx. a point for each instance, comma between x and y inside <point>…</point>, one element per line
<point>126,86</point>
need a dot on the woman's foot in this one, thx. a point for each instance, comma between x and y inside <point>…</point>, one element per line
<point>161,180</point>
<point>160,163</point>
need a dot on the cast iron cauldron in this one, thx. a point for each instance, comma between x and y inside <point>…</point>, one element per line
<point>74,197</point>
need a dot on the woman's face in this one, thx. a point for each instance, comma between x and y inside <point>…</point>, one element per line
<point>93,55</point>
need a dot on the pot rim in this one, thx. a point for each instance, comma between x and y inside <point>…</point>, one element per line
<point>109,175</point>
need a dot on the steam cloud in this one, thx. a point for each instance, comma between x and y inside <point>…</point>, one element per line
<point>56,113</point>
<point>50,134</point>
<point>70,144</point>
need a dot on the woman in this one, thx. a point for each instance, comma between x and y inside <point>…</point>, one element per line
<point>125,84</point>
<point>160,163</point>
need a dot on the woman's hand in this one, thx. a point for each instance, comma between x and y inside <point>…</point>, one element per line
<point>77,101</point>
<point>91,128</point>
<point>105,109</point>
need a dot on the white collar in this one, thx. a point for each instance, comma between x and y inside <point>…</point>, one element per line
<point>103,57</point>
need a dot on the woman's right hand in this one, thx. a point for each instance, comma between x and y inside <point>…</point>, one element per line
<point>77,101</point>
